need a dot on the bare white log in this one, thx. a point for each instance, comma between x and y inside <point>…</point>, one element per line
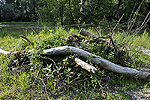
<point>4,52</point>
<point>87,33</point>
<point>97,59</point>
<point>85,65</point>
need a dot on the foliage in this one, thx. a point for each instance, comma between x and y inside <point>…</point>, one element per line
<point>70,12</point>
<point>54,77</point>
<point>60,12</point>
<point>9,13</point>
<point>19,10</point>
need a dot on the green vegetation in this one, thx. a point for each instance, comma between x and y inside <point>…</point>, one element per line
<point>19,28</point>
<point>28,75</point>
<point>69,12</point>
<point>13,23</point>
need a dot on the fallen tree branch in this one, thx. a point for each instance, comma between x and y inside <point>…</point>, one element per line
<point>97,59</point>
<point>97,39</point>
<point>4,52</point>
<point>87,33</point>
<point>85,65</point>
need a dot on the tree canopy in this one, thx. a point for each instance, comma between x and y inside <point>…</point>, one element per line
<point>67,12</point>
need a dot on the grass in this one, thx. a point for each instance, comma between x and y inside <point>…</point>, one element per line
<point>13,23</point>
<point>66,80</point>
<point>14,28</point>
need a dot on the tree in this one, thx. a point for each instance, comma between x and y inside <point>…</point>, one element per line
<point>27,8</point>
<point>71,12</point>
<point>1,6</point>
<point>58,12</point>
<point>10,1</point>
<point>9,13</point>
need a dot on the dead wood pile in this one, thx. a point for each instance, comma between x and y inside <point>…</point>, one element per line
<point>76,40</point>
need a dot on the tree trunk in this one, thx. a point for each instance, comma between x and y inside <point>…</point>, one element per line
<point>61,13</point>
<point>82,3</point>
<point>119,4</point>
<point>70,12</point>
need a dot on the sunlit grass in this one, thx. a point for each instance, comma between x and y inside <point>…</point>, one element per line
<point>16,85</point>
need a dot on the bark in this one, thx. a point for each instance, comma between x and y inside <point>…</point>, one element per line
<point>4,52</point>
<point>87,33</point>
<point>97,59</point>
<point>119,4</point>
<point>85,65</point>
<point>83,4</point>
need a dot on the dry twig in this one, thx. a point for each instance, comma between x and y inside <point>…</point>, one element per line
<point>26,38</point>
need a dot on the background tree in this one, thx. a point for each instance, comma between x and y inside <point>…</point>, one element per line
<point>22,10</point>
<point>27,7</point>
<point>9,13</point>
<point>1,6</point>
<point>58,12</point>
<point>10,1</point>
<point>67,12</point>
